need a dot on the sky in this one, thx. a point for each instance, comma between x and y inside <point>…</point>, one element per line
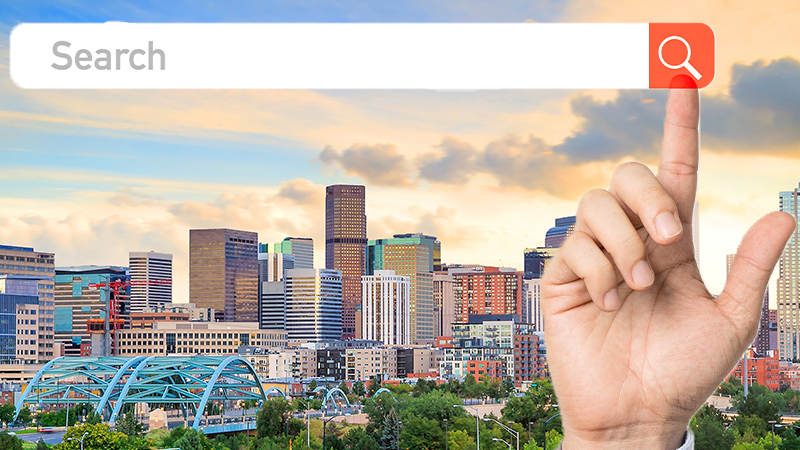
<point>93,175</point>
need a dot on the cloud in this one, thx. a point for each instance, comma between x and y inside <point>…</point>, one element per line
<point>454,162</point>
<point>378,164</point>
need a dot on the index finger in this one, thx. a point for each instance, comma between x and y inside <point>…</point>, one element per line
<point>680,152</point>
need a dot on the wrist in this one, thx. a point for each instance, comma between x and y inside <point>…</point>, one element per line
<point>654,436</point>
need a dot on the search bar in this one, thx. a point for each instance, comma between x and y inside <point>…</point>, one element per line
<point>360,56</point>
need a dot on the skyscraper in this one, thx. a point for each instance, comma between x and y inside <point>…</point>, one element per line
<point>25,261</point>
<point>302,249</point>
<point>385,308</point>
<point>345,240</point>
<point>486,290</point>
<point>411,257</point>
<point>536,260</point>
<point>146,267</point>
<point>313,304</point>
<point>443,303</point>
<point>272,268</point>
<point>531,303</point>
<point>788,289</point>
<point>223,273</point>
<point>556,236</point>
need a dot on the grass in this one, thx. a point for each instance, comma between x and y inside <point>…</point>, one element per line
<point>28,431</point>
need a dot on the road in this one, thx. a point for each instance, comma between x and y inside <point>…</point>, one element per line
<point>54,437</point>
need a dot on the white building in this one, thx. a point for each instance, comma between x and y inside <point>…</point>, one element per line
<point>313,304</point>
<point>272,269</point>
<point>532,303</point>
<point>443,301</point>
<point>145,268</point>
<point>385,308</point>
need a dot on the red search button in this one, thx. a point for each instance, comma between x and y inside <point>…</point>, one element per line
<point>682,50</point>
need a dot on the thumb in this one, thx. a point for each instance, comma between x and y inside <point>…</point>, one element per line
<point>761,246</point>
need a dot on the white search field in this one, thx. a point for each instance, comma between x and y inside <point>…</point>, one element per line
<point>331,56</point>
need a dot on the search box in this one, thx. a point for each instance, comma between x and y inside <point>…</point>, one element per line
<point>359,56</point>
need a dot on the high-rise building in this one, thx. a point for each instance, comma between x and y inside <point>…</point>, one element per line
<point>385,308</point>
<point>443,303</point>
<point>436,246</point>
<point>223,273</point>
<point>25,261</point>
<point>146,268</point>
<point>486,290</point>
<point>20,318</point>
<point>532,303</point>
<point>788,289</point>
<point>302,249</point>
<point>77,303</point>
<point>272,289</point>
<point>313,304</point>
<point>411,257</point>
<point>345,240</point>
<point>556,236</point>
<point>536,260</point>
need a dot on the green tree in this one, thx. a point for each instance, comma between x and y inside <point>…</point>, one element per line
<point>377,408</point>
<point>709,430</point>
<point>422,387</point>
<point>791,399</point>
<point>272,418</point>
<point>94,419</point>
<point>760,402</point>
<point>789,440</point>
<point>359,389</point>
<point>40,445</point>
<point>25,417</point>
<point>344,388</point>
<point>193,440</point>
<point>553,439</point>
<point>7,413</point>
<point>535,406</point>
<point>99,437</point>
<point>420,433</point>
<point>374,385</point>
<point>508,386</point>
<point>731,387</point>
<point>391,432</point>
<point>358,439</point>
<point>749,428</point>
<point>436,405</point>
<point>130,426</point>
<point>9,442</point>
<point>461,440</point>
<point>312,385</point>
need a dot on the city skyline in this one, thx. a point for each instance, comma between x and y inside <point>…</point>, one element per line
<point>83,167</point>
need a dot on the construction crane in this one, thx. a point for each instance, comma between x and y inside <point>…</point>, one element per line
<point>113,309</point>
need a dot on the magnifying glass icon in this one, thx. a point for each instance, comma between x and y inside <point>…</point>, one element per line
<point>685,62</point>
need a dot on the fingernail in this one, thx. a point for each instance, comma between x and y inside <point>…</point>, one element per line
<point>611,300</point>
<point>642,274</point>
<point>667,226</point>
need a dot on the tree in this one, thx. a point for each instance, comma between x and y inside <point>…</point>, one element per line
<point>24,417</point>
<point>789,440</point>
<point>709,430</point>
<point>344,388</point>
<point>94,419</point>
<point>40,445</point>
<point>272,418</point>
<point>460,439</point>
<point>130,426</point>
<point>377,409</point>
<point>9,442</point>
<point>731,387</point>
<point>536,406</point>
<point>436,405</point>
<point>420,433</point>
<point>312,385</point>
<point>508,386</point>
<point>7,413</point>
<point>791,399</point>
<point>760,402</point>
<point>99,437</point>
<point>374,385</point>
<point>359,389</point>
<point>391,432</point>
<point>193,440</point>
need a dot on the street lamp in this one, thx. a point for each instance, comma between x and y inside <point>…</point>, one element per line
<point>477,424</point>
<point>324,427</point>
<point>544,442</point>
<point>513,433</point>
<point>500,440</point>
<point>81,439</point>
<point>773,422</point>
<point>446,435</point>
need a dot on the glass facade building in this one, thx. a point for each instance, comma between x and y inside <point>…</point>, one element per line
<point>536,260</point>
<point>146,267</point>
<point>556,236</point>
<point>345,240</point>
<point>788,287</point>
<point>313,304</point>
<point>19,318</point>
<point>411,257</point>
<point>223,273</point>
<point>302,249</point>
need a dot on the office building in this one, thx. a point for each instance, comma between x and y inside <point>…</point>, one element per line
<point>345,240</point>
<point>443,303</point>
<point>302,249</point>
<point>486,290</point>
<point>197,338</point>
<point>80,305</point>
<point>223,273</point>
<point>363,364</point>
<point>788,286</point>
<point>436,247</point>
<point>271,292</point>
<point>313,304</point>
<point>536,260</point>
<point>762,369</point>
<point>331,363</point>
<point>151,280</point>
<point>20,318</point>
<point>173,312</point>
<point>26,261</point>
<point>418,362</point>
<point>532,303</point>
<point>556,236</point>
<point>412,257</point>
<point>385,308</point>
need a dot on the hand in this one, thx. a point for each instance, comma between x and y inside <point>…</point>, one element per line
<point>635,342</point>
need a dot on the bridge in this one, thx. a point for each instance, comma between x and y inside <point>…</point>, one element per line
<point>111,384</point>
